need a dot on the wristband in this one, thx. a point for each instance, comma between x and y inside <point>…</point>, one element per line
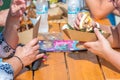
<point>20,61</point>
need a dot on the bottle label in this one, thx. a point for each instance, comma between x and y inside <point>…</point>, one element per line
<point>73,10</point>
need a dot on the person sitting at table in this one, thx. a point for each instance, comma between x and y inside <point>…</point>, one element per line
<point>100,9</point>
<point>8,42</point>
<point>104,47</point>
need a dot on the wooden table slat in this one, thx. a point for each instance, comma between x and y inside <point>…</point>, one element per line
<point>53,69</point>
<point>25,76</point>
<point>110,72</point>
<point>83,66</point>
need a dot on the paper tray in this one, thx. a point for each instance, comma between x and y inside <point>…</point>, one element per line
<point>82,36</point>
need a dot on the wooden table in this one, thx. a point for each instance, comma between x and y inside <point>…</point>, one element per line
<point>73,66</point>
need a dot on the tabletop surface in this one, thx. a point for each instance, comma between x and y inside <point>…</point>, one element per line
<point>81,65</point>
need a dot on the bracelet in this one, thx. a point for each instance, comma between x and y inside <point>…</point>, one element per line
<point>20,61</point>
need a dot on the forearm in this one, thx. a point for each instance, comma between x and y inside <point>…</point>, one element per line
<point>99,8</point>
<point>10,31</point>
<point>114,37</point>
<point>113,57</point>
<point>16,65</point>
<point>3,16</point>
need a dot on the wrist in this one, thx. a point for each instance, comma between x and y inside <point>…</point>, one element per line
<point>16,65</point>
<point>20,61</point>
<point>108,53</point>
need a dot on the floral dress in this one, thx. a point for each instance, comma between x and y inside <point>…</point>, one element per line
<point>6,71</point>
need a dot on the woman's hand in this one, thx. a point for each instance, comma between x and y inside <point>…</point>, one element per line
<point>17,7</point>
<point>29,53</point>
<point>99,47</point>
<point>84,21</point>
<point>77,21</point>
<point>25,56</point>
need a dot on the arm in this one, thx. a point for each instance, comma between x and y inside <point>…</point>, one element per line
<point>113,57</point>
<point>3,16</point>
<point>13,22</point>
<point>99,8</point>
<point>102,48</point>
<point>9,38</point>
<point>114,38</point>
<point>27,54</point>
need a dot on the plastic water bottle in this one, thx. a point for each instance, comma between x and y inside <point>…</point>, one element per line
<point>42,10</point>
<point>64,1</point>
<point>82,6</point>
<point>73,10</point>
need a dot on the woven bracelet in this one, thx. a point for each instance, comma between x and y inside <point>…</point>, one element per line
<point>20,61</point>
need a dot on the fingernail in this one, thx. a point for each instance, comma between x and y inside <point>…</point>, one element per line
<point>45,57</point>
<point>42,54</point>
<point>44,60</point>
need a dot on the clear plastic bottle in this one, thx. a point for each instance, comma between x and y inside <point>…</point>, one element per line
<point>73,10</point>
<point>42,10</point>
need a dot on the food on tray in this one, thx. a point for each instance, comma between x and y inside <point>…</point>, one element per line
<point>25,22</point>
<point>25,25</point>
<point>87,24</point>
<point>86,30</point>
<point>31,13</point>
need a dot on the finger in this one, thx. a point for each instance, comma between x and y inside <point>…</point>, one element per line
<point>17,9</point>
<point>36,47</point>
<point>39,56</point>
<point>77,22</point>
<point>19,2</point>
<point>88,44</point>
<point>33,42</point>
<point>79,16</point>
<point>99,35</point>
<point>76,26</point>
<point>36,52</point>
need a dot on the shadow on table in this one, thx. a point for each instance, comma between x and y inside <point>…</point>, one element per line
<point>107,64</point>
<point>86,55</point>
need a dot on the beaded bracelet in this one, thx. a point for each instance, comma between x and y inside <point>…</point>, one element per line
<point>20,61</point>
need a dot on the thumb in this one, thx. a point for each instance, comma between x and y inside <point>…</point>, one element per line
<point>88,44</point>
